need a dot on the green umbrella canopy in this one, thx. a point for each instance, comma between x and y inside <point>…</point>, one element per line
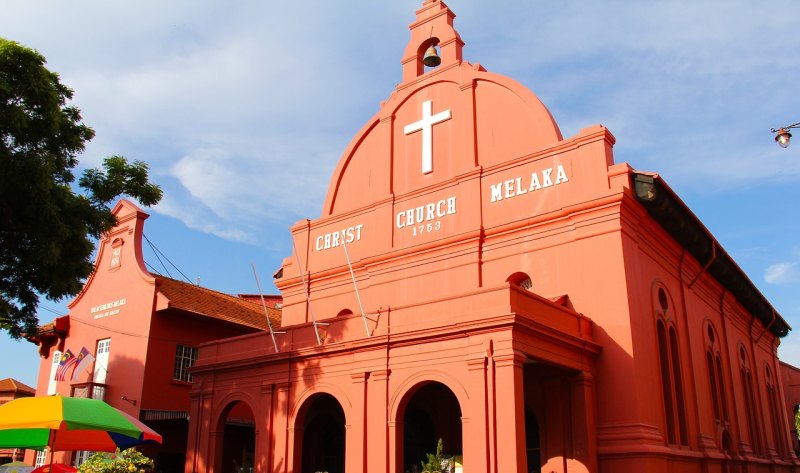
<point>66,423</point>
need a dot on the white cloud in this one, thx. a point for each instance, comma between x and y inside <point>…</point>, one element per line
<point>196,217</point>
<point>783,273</point>
<point>249,107</point>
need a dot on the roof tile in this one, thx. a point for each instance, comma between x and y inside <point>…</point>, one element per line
<point>12,385</point>
<point>216,305</point>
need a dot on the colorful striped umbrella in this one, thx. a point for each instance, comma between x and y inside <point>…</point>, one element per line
<point>67,423</point>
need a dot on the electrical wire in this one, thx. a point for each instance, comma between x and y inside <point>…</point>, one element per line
<point>159,252</point>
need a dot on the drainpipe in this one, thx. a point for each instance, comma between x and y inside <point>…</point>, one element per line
<point>768,325</point>
<point>705,268</point>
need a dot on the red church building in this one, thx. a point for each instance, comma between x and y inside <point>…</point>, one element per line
<point>477,278</point>
<point>131,336</point>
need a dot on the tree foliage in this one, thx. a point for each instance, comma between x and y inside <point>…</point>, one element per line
<point>797,421</point>
<point>125,461</point>
<point>435,462</point>
<point>47,226</point>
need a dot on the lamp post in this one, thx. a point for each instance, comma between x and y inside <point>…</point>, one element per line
<point>783,136</point>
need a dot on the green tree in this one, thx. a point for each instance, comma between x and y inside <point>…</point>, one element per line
<point>47,225</point>
<point>435,462</point>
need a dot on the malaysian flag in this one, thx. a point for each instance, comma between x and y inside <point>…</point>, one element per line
<point>67,360</point>
<point>85,360</point>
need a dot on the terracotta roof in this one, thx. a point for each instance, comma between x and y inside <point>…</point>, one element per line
<point>12,385</point>
<point>209,303</point>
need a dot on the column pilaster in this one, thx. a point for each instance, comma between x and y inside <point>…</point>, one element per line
<point>376,440</point>
<point>509,412</point>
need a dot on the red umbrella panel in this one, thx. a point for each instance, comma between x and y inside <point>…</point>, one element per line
<point>55,468</point>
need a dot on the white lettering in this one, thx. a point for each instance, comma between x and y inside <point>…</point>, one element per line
<point>520,190</point>
<point>99,309</point>
<point>343,236</point>
<point>440,209</point>
<point>514,187</point>
<point>534,182</point>
<point>561,176</point>
<point>509,187</point>
<point>497,192</point>
<point>546,178</point>
<point>425,213</point>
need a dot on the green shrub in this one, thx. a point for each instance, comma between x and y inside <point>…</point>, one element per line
<point>435,462</point>
<point>125,461</point>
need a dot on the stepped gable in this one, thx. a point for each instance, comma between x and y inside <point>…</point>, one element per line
<point>217,305</point>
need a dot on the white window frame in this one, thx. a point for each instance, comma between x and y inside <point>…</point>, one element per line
<point>185,358</point>
<point>101,360</point>
<point>81,456</point>
<point>41,458</point>
<point>52,384</point>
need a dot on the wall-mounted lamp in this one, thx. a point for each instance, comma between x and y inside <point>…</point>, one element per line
<point>132,401</point>
<point>783,136</point>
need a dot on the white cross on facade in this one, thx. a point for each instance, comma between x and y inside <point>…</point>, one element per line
<point>426,125</point>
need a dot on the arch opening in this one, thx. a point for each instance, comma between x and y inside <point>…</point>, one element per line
<point>432,413</point>
<point>238,440</point>
<point>532,442</point>
<point>323,439</point>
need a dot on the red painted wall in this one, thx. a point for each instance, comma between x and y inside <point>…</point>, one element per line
<point>120,301</point>
<point>616,374</point>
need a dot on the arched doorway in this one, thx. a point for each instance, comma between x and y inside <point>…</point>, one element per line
<point>532,443</point>
<point>238,439</point>
<point>322,446</point>
<point>431,413</point>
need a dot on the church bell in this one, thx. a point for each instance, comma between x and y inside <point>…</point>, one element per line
<point>431,58</point>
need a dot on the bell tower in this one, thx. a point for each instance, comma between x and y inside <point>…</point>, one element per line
<point>433,27</point>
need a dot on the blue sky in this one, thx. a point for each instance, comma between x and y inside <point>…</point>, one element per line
<point>242,110</point>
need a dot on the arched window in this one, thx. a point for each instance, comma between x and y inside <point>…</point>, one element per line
<point>344,313</point>
<point>522,280</point>
<point>750,401</point>
<point>671,378</point>
<point>777,416</point>
<point>716,377</point>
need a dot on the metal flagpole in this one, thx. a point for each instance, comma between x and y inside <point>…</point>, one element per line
<point>266,312</point>
<point>358,296</point>
<point>308,294</point>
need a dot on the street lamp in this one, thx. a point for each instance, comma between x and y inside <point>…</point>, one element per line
<point>783,136</point>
